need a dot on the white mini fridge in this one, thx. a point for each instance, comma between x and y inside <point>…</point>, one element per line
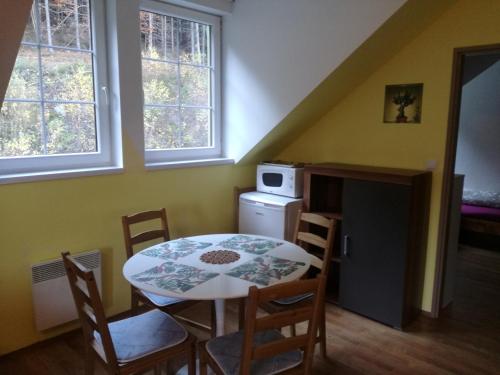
<point>268,214</point>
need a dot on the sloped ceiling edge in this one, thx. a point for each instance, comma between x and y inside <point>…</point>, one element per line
<point>14,16</point>
<point>406,23</point>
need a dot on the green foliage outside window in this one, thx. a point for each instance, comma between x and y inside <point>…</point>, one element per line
<point>55,113</point>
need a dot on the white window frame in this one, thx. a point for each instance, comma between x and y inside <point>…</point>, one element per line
<point>187,154</point>
<point>58,163</point>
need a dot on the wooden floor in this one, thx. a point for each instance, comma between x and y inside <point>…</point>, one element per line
<point>465,340</point>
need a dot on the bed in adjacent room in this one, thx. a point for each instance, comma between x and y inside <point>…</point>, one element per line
<point>481,212</point>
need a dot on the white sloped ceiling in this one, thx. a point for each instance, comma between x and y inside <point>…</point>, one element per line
<point>275,52</point>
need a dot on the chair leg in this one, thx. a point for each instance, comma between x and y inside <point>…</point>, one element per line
<point>293,331</point>
<point>203,360</point>
<point>192,359</point>
<point>134,302</point>
<point>322,333</point>
<point>89,362</point>
<point>213,320</point>
<point>241,313</point>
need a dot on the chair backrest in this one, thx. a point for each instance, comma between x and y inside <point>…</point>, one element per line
<point>309,240</point>
<point>90,310</point>
<point>141,217</point>
<point>310,313</point>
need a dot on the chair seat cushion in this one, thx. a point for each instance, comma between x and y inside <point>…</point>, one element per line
<point>161,301</point>
<point>226,351</point>
<point>293,299</point>
<point>144,334</point>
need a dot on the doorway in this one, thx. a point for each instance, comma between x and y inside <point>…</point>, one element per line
<point>473,133</point>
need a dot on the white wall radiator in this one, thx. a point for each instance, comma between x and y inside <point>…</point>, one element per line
<point>52,299</point>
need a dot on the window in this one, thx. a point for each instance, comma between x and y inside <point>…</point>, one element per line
<point>180,76</point>
<point>54,116</point>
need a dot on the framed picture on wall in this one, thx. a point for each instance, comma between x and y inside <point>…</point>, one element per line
<point>403,103</point>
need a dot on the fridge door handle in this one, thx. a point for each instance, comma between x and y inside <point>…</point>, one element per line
<point>347,239</point>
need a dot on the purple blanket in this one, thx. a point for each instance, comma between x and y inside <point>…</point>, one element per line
<point>479,212</point>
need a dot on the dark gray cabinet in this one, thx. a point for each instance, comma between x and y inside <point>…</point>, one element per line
<point>374,239</point>
<point>379,255</point>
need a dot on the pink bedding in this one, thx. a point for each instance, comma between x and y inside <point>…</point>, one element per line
<point>479,212</point>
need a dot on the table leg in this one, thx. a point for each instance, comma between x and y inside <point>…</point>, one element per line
<point>220,310</point>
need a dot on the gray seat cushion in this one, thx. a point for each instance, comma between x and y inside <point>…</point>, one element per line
<point>161,301</point>
<point>293,299</point>
<point>144,334</point>
<point>226,351</point>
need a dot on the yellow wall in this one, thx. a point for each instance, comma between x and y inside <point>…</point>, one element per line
<point>39,220</point>
<point>353,131</point>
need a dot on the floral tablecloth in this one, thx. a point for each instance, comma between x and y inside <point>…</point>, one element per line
<point>174,268</point>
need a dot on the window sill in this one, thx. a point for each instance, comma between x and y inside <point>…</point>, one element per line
<point>189,163</point>
<point>59,174</point>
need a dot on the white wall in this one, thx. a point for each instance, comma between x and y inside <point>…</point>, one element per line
<point>275,52</point>
<point>478,149</point>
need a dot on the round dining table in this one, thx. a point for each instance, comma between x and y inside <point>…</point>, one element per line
<point>215,267</point>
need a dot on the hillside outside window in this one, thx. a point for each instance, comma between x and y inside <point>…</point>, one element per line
<point>180,75</point>
<point>55,114</point>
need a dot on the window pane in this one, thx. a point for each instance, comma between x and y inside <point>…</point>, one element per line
<point>20,130</point>
<point>161,128</point>
<point>70,128</point>
<point>194,42</point>
<point>195,128</point>
<point>67,75</point>
<point>24,81</point>
<point>158,36</point>
<point>178,89</point>
<point>50,106</point>
<point>65,23</point>
<point>195,85</point>
<point>160,82</point>
<point>29,32</point>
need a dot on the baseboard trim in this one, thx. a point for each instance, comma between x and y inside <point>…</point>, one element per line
<point>428,314</point>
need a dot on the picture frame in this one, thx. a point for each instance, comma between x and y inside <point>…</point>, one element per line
<point>403,103</point>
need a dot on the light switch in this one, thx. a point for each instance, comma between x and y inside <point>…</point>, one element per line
<point>430,165</point>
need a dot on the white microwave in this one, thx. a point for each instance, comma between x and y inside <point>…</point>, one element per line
<point>280,179</point>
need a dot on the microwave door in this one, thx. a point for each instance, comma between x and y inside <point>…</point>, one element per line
<point>272,179</point>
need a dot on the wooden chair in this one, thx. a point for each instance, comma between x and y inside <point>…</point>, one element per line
<point>261,348</point>
<point>130,345</point>
<point>169,305</point>
<point>313,243</point>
